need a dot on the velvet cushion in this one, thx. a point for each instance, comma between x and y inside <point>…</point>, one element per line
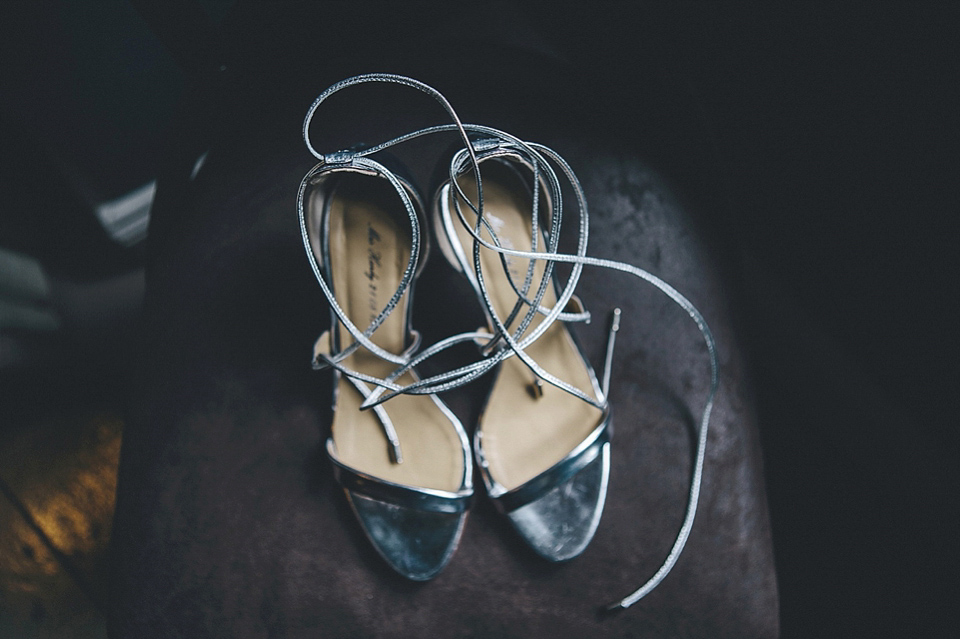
<point>229,522</point>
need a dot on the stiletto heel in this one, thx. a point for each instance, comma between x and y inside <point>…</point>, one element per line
<point>406,470</point>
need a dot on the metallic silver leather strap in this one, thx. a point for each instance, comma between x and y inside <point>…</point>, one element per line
<point>427,499</point>
<point>509,500</point>
<point>362,338</point>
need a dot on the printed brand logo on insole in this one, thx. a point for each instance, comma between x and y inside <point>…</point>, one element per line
<point>373,263</point>
<point>498,225</point>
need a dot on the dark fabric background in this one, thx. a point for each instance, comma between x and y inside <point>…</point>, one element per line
<point>228,521</point>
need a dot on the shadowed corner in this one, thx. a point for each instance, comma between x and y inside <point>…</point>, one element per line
<point>58,476</point>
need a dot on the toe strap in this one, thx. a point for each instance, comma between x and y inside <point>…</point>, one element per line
<point>425,499</point>
<point>579,458</point>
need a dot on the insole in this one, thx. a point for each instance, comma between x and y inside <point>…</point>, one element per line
<point>524,435</point>
<point>369,250</point>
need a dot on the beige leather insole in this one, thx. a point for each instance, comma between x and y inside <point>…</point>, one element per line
<point>369,250</point>
<point>524,436</point>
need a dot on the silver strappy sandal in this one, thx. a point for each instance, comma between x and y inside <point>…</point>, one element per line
<point>547,472</point>
<point>543,452</point>
<point>406,469</point>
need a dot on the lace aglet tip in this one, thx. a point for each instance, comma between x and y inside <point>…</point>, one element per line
<point>615,320</point>
<point>396,455</point>
<point>536,389</point>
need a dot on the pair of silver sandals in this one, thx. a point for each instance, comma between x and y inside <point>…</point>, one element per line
<point>542,443</point>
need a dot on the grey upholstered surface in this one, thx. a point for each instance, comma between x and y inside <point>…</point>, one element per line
<point>228,521</point>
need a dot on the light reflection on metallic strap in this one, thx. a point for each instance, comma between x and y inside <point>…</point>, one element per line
<point>427,499</point>
<point>588,450</point>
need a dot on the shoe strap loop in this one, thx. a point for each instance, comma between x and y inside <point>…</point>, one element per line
<point>362,337</point>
